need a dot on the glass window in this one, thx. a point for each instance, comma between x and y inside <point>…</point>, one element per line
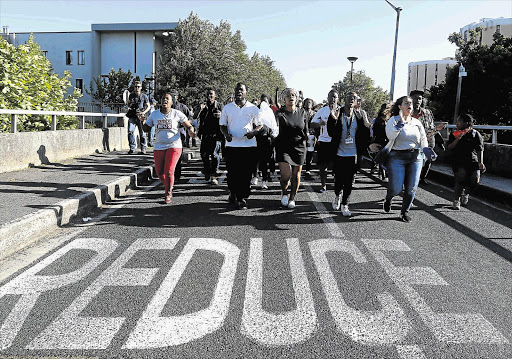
<point>498,29</point>
<point>81,57</point>
<point>45,53</point>
<point>69,58</point>
<point>80,85</point>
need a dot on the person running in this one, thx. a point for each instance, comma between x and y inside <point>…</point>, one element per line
<point>239,123</point>
<point>211,136</point>
<point>405,159</point>
<point>324,146</point>
<point>345,127</point>
<point>363,135</point>
<point>168,144</point>
<point>186,111</point>
<point>427,120</point>
<point>379,138</point>
<point>311,141</point>
<point>467,147</point>
<point>265,139</point>
<point>138,104</point>
<point>290,144</point>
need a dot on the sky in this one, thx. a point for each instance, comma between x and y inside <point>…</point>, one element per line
<point>308,40</point>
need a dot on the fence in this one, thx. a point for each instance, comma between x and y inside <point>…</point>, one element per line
<point>81,117</point>
<point>494,129</point>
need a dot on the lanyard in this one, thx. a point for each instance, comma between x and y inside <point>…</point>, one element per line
<point>348,124</point>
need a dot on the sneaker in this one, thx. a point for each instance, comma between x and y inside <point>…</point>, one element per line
<point>242,204</point>
<point>322,189</point>
<point>284,200</point>
<point>254,181</point>
<point>143,151</point>
<point>131,152</point>
<point>387,206</point>
<point>336,203</point>
<point>464,199</point>
<point>405,217</point>
<point>456,204</point>
<point>168,199</point>
<point>214,181</point>
<point>345,212</point>
<point>291,204</point>
<point>264,185</point>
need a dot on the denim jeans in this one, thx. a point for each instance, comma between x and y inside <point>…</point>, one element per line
<point>404,169</point>
<point>132,124</point>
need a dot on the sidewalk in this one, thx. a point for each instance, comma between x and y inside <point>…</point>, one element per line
<point>36,200</point>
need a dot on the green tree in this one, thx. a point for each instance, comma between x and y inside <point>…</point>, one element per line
<point>109,91</point>
<point>27,82</point>
<point>199,54</point>
<point>486,91</point>
<point>373,97</point>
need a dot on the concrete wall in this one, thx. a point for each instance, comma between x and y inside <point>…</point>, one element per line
<point>24,149</point>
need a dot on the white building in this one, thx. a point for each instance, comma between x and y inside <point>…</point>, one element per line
<point>425,74</point>
<point>89,54</point>
<point>489,27</point>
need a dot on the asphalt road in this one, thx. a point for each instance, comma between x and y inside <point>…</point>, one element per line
<point>199,279</point>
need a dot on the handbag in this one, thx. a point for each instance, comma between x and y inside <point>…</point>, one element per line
<point>381,157</point>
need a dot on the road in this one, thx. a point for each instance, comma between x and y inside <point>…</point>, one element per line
<point>199,279</point>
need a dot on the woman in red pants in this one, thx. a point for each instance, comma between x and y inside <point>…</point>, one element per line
<point>167,150</point>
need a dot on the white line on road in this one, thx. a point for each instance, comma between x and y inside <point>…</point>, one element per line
<point>328,219</point>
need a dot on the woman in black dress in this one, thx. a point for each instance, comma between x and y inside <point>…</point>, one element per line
<point>290,144</point>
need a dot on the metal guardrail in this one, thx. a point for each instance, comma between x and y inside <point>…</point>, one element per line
<point>494,129</point>
<point>14,114</point>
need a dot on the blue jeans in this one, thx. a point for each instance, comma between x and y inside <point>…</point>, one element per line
<point>404,170</point>
<point>132,124</point>
<point>151,136</point>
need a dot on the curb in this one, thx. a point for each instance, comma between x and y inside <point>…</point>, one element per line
<point>24,231</point>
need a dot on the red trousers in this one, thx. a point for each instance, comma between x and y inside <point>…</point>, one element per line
<point>165,163</point>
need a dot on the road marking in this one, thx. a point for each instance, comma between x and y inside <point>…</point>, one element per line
<point>284,328</point>
<point>323,213</point>
<point>386,326</point>
<point>30,284</point>
<point>154,331</point>
<point>72,331</point>
<point>446,327</point>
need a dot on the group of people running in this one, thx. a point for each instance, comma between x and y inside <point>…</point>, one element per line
<point>249,135</point>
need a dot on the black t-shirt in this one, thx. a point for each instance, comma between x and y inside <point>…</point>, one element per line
<point>465,152</point>
<point>137,102</point>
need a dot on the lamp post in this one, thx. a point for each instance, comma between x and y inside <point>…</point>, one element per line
<point>352,59</point>
<point>392,90</point>
<point>462,73</point>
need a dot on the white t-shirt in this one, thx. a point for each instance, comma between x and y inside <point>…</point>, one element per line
<point>323,114</point>
<point>167,131</point>
<point>412,135</point>
<point>239,121</point>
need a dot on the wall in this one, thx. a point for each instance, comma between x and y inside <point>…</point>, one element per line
<point>24,149</point>
<point>417,71</point>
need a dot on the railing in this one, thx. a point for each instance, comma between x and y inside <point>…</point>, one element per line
<point>14,114</point>
<point>494,129</point>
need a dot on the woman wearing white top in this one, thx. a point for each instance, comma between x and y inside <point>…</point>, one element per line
<point>405,160</point>
<point>168,146</point>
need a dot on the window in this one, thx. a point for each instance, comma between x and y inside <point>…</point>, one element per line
<point>425,83</point>
<point>437,68</point>
<point>498,29</point>
<point>466,35</point>
<point>81,57</point>
<point>69,58</point>
<point>45,53</point>
<point>80,85</point>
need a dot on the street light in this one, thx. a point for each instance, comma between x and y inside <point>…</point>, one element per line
<point>352,60</point>
<point>392,90</point>
<point>462,73</point>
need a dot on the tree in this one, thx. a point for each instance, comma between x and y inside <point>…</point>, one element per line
<point>27,82</point>
<point>487,90</point>
<point>373,97</point>
<point>109,91</point>
<point>198,55</point>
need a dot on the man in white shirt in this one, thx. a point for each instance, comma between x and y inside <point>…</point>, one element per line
<point>239,123</point>
<point>324,147</point>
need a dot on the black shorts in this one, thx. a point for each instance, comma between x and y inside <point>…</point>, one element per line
<point>325,152</point>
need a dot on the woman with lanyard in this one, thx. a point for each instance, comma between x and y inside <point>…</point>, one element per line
<point>168,144</point>
<point>344,129</point>
<point>405,159</point>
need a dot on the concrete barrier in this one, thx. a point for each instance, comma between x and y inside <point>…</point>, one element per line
<point>25,149</point>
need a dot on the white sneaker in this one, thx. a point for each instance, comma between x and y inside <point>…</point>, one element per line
<point>264,185</point>
<point>345,211</point>
<point>456,204</point>
<point>464,199</point>
<point>254,181</point>
<point>336,203</point>
<point>291,204</point>
<point>284,200</point>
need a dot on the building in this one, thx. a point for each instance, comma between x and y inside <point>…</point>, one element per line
<point>94,53</point>
<point>425,74</point>
<point>489,27</point>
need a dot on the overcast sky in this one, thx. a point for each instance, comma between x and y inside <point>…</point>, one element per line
<point>308,40</point>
